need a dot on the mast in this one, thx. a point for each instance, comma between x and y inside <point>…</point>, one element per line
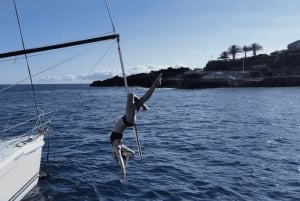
<point>58,46</point>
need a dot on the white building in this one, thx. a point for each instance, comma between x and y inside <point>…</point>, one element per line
<point>294,46</point>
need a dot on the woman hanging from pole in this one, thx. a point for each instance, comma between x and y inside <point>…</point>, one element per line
<point>133,106</point>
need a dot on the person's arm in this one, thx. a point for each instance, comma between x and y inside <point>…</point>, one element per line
<point>148,94</point>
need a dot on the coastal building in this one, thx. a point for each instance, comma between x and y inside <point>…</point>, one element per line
<point>294,45</point>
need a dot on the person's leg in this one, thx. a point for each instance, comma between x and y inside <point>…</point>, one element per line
<point>126,153</point>
<point>117,149</point>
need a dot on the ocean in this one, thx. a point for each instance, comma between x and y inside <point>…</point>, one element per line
<point>209,144</point>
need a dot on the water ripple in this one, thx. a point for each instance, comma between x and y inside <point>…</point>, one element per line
<point>217,144</point>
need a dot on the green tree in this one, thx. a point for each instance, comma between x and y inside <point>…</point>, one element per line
<point>233,50</point>
<point>224,55</point>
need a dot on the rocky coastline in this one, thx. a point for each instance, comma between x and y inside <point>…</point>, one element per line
<point>279,69</point>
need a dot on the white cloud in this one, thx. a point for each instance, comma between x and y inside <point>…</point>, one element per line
<point>105,74</point>
<point>70,78</point>
<point>47,79</point>
<point>98,75</point>
<point>153,67</point>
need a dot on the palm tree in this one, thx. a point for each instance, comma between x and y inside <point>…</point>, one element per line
<point>247,49</point>
<point>224,55</point>
<point>255,47</point>
<point>233,50</point>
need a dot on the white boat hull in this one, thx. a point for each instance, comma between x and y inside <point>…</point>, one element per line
<point>19,169</point>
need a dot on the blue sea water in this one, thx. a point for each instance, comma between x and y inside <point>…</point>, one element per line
<point>210,144</point>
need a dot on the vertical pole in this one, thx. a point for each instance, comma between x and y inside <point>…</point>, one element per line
<point>122,66</point>
<point>138,144</point>
<point>125,81</point>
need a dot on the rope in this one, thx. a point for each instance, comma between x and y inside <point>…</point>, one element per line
<point>15,58</point>
<point>27,63</point>
<point>49,68</point>
<point>47,156</point>
<point>100,59</point>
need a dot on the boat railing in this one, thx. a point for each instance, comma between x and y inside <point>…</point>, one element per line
<point>28,127</point>
<point>15,135</point>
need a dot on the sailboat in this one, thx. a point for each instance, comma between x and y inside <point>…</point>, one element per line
<point>20,155</point>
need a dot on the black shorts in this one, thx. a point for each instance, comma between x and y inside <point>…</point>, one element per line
<point>115,135</point>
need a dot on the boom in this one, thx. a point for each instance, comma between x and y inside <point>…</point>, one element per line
<point>58,46</point>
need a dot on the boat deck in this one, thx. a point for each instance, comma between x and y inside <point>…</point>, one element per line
<point>10,146</point>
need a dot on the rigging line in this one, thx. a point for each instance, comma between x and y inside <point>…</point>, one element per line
<point>100,59</point>
<point>49,68</point>
<point>18,58</point>
<point>119,48</point>
<point>48,154</point>
<point>27,63</point>
<point>111,21</point>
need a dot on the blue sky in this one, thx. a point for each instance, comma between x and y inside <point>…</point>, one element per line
<point>154,34</point>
